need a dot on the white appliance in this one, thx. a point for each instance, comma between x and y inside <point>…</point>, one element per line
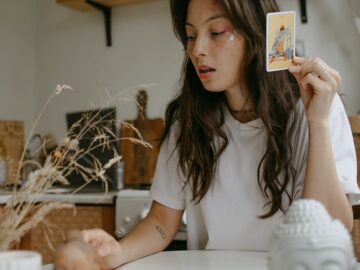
<point>132,206</point>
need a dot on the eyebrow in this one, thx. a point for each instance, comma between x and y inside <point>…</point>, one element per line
<point>207,20</point>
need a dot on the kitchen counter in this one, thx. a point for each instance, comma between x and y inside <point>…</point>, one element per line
<point>78,198</point>
<point>200,260</point>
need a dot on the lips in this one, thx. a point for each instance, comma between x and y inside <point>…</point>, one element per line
<point>205,71</point>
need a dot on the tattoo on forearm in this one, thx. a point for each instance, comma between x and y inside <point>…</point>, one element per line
<point>161,231</point>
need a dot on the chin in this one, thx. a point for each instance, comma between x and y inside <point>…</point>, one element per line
<point>212,88</point>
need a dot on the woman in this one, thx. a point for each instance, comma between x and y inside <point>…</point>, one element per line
<point>240,143</point>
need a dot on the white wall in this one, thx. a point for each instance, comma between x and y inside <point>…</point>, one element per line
<point>17,61</point>
<point>331,35</point>
<point>71,49</point>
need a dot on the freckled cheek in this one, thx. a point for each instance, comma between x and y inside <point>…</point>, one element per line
<point>220,44</point>
<point>236,49</point>
<point>228,41</point>
<point>193,61</point>
<point>190,54</point>
<point>228,53</point>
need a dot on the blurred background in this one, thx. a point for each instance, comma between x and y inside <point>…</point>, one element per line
<point>45,43</point>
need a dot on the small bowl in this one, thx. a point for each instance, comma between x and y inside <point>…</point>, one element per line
<point>20,260</point>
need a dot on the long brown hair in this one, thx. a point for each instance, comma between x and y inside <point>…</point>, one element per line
<point>200,113</point>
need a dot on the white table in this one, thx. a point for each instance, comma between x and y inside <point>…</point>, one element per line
<point>198,260</point>
<point>201,260</point>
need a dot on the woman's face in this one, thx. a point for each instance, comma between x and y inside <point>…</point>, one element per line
<point>214,47</point>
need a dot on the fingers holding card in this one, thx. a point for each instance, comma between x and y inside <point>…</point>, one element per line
<point>280,40</point>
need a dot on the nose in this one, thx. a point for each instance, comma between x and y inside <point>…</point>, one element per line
<point>200,47</point>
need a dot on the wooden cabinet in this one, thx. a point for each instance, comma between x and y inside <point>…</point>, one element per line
<point>11,147</point>
<point>356,237</point>
<point>81,5</point>
<point>355,128</point>
<point>62,220</point>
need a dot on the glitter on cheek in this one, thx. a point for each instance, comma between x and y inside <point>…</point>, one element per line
<point>232,36</point>
<point>228,38</point>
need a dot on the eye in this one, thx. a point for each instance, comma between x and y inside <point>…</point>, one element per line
<point>190,38</point>
<point>216,34</point>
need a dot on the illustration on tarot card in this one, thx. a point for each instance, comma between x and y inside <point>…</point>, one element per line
<point>280,38</point>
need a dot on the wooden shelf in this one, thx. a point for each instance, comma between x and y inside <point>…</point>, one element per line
<point>82,6</point>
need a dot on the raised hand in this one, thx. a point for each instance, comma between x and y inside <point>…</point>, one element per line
<point>318,85</point>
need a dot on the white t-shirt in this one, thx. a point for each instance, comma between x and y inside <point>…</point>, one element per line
<point>227,217</point>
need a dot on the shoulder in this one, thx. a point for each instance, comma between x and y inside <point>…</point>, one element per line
<point>169,144</point>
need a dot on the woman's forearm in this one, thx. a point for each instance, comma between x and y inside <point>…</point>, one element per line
<point>147,237</point>
<point>321,179</point>
<point>152,234</point>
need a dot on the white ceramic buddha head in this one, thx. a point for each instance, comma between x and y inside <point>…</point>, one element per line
<point>308,239</point>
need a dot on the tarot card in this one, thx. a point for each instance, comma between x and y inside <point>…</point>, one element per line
<point>280,40</point>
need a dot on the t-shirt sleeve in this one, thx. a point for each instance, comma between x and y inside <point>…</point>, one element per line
<point>167,185</point>
<point>343,147</point>
<point>343,151</point>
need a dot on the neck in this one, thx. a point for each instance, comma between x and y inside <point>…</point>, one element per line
<point>240,106</point>
<point>244,117</point>
<point>237,100</point>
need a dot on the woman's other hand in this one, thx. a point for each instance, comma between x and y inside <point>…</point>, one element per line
<point>107,248</point>
<point>88,249</point>
<point>318,85</point>
<point>75,254</point>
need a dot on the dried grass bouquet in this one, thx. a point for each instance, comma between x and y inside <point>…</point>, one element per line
<point>25,210</point>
